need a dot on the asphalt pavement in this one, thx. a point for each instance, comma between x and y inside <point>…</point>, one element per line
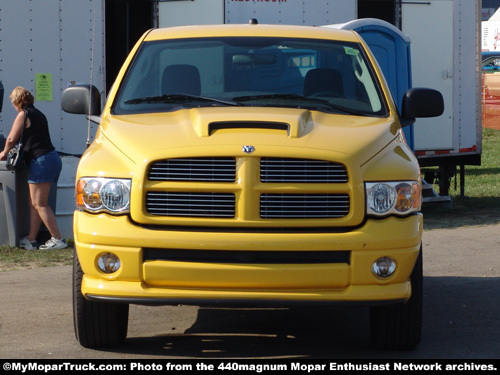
<point>461,316</point>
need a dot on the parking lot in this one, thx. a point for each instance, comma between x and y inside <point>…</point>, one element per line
<point>461,281</point>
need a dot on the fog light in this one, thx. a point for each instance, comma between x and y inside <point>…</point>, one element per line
<point>384,267</point>
<point>108,263</point>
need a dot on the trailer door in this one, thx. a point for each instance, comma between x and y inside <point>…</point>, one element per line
<point>430,27</point>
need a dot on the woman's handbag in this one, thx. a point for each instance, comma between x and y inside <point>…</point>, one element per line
<point>15,158</point>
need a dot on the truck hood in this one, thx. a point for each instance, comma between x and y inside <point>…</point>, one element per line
<point>271,131</point>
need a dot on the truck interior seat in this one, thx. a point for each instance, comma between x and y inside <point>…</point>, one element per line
<point>181,79</point>
<point>323,81</point>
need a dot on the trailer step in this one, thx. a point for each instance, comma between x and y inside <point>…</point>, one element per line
<point>429,195</point>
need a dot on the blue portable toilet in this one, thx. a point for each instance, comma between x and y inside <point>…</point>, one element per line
<point>391,48</point>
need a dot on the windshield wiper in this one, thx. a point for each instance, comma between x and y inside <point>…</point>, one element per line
<point>299,97</point>
<point>178,98</point>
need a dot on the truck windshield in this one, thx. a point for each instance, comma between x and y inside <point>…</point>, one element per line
<point>320,75</point>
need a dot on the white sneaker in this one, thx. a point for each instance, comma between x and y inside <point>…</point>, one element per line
<point>54,244</point>
<point>26,244</point>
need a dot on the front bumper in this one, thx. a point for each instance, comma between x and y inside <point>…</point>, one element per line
<point>162,281</point>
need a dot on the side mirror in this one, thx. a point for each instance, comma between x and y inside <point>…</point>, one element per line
<point>421,102</point>
<point>81,99</point>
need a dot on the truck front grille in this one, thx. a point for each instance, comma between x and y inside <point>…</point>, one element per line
<point>214,187</point>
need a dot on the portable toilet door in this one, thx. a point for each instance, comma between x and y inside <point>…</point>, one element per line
<point>391,48</point>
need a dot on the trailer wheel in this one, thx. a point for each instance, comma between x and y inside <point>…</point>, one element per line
<point>399,326</point>
<point>97,324</point>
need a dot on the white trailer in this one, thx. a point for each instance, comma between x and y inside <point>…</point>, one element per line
<point>446,55</point>
<point>445,40</point>
<point>46,46</point>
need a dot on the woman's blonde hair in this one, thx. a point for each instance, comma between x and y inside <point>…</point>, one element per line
<point>21,97</point>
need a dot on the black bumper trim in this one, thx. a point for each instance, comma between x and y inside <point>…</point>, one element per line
<point>235,303</point>
<point>247,257</point>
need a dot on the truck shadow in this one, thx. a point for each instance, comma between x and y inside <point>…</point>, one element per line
<point>460,321</point>
<point>262,333</point>
<point>464,212</point>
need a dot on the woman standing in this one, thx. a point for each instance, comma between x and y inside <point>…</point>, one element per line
<point>44,167</point>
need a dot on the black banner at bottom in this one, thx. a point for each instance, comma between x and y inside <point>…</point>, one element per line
<point>257,366</point>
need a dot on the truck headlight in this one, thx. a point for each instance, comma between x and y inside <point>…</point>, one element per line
<point>103,194</point>
<point>394,197</point>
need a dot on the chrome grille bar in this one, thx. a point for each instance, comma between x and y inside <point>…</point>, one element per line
<point>211,205</point>
<point>303,206</point>
<point>301,171</point>
<point>194,169</point>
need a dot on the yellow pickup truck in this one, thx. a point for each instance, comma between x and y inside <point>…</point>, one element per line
<point>253,165</point>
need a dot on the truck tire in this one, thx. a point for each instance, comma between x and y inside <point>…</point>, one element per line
<point>399,326</point>
<point>97,324</point>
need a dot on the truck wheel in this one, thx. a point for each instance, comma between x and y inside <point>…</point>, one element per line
<point>399,326</point>
<point>97,324</point>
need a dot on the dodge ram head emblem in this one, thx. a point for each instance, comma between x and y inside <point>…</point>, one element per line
<point>248,149</point>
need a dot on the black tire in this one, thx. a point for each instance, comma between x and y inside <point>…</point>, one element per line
<point>399,326</point>
<point>97,324</point>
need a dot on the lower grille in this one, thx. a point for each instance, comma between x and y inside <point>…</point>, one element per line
<point>303,206</point>
<point>249,257</point>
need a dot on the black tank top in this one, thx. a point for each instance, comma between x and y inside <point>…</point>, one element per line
<point>36,138</point>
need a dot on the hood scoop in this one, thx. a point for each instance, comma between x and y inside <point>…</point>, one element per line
<point>294,123</point>
<point>214,126</point>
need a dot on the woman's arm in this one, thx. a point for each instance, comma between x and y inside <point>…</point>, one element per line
<point>14,135</point>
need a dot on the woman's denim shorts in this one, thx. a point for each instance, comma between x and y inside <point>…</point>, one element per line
<point>45,168</point>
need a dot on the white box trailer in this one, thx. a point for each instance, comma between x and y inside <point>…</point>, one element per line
<point>46,46</point>
<point>445,55</point>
